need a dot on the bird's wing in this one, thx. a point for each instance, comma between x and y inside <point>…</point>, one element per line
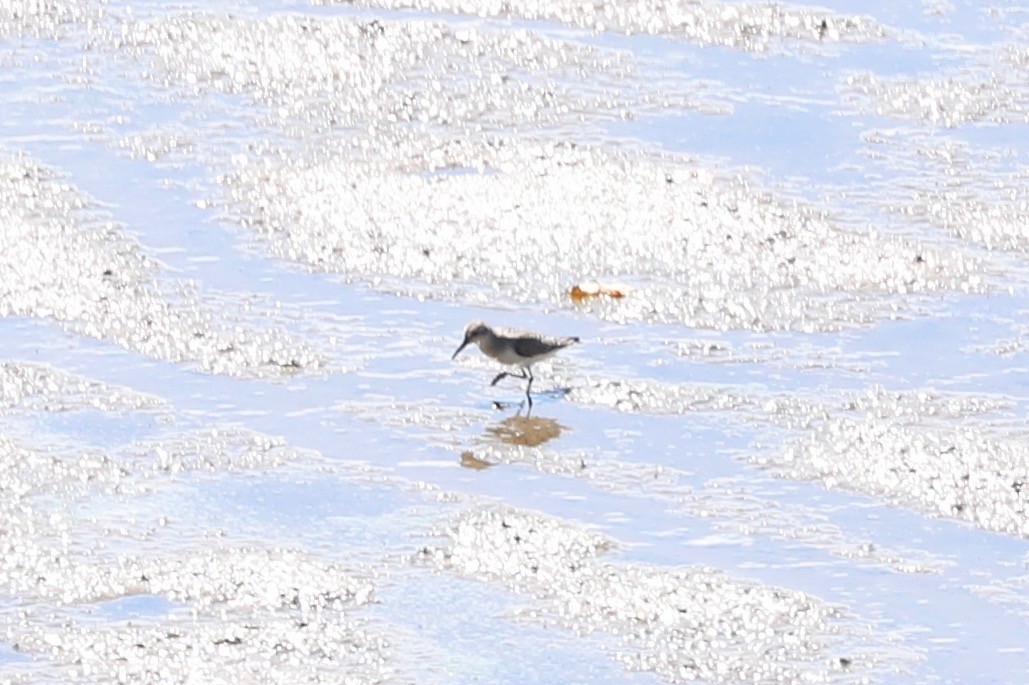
<point>531,346</point>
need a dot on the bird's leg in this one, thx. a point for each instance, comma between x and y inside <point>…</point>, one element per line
<point>504,374</point>
<point>528,387</point>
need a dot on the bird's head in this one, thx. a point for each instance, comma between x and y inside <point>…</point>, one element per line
<point>476,331</point>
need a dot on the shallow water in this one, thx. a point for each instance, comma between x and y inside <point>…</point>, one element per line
<point>392,440</point>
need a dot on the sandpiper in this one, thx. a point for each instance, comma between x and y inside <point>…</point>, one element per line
<point>513,347</point>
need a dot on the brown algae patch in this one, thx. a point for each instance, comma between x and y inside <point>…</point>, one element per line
<point>683,624</point>
<point>748,26</point>
<point>62,260</point>
<point>482,220</point>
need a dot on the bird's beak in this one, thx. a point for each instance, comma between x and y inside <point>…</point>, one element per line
<point>463,345</point>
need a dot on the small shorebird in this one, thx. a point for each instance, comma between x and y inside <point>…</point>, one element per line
<point>516,348</point>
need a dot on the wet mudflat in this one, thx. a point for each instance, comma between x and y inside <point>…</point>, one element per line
<point>241,241</point>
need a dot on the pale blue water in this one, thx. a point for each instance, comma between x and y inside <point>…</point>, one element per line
<point>135,608</point>
<point>453,623</point>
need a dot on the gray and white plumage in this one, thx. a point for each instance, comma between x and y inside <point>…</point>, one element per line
<point>513,347</point>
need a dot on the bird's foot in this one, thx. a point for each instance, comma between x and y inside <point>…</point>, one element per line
<point>521,404</point>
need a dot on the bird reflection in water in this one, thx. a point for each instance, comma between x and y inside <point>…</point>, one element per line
<point>516,431</point>
<point>525,431</point>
